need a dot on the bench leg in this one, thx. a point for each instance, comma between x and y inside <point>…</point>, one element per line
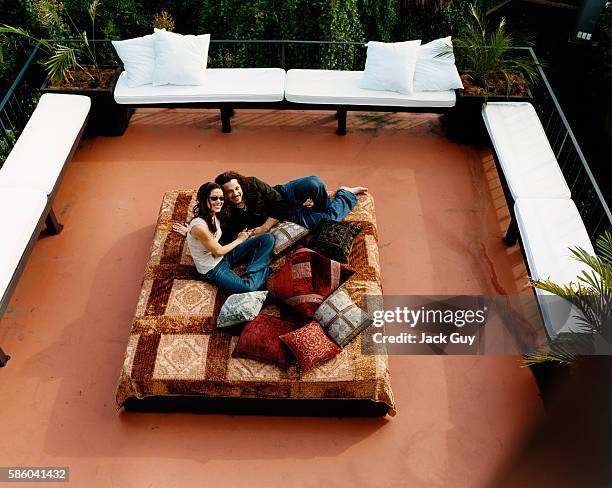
<point>53,225</point>
<point>341,116</point>
<point>3,358</point>
<point>226,125</point>
<point>512,233</point>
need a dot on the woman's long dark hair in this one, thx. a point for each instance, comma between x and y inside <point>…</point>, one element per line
<point>201,209</point>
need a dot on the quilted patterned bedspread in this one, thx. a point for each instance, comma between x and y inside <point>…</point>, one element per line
<point>174,347</point>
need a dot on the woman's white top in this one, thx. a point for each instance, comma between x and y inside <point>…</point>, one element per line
<point>202,257</point>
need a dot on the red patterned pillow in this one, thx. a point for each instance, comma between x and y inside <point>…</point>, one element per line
<point>259,340</point>
<point>306,280</point>
<point>310,345</point>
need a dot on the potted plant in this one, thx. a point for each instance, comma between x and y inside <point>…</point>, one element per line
<point>490,70</point>
<point>74,65</point>
<point>592,297</point>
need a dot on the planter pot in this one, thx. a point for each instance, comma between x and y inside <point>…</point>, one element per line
<point>570,387</point>
<point>551,378</point>
<point>106,117</point>
<point>464,122</point>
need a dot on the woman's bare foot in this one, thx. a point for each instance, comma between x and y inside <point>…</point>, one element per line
<point>356,190</point>
<point>180,229</point>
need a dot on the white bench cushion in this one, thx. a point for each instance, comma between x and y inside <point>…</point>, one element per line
<point>330,87</point>
<point>41,150</point>
<point>549,227</point>
<point>523,150</point>
<point>20,211</point>
<point>222,85</point>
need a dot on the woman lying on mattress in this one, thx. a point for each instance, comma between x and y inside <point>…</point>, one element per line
<point>214,260</point>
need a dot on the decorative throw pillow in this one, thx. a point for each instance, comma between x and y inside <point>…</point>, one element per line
<point>259,340</point>
<point>180,60</point>
<point>306,279</point>
<point>435,68</point>
<point>241,307</point>
<point>310,345</point>
<point>390,66</point>
<point>286,234</point>
<point>341,318</point>
<point>138,58</point>
<point>335,239</point>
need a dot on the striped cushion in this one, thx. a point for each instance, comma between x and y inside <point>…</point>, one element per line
<point>306,279</point>
<point>286,234</point>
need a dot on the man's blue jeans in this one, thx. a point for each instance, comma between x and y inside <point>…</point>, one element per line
<point>256,250</point>
<point>298,191</point>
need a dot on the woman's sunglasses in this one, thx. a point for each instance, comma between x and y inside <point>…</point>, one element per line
<point>214,199</point>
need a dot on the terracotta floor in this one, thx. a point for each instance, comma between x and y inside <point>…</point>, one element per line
<point>441,217</point>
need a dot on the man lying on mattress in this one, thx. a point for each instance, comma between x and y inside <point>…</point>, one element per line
<point>221,237</point>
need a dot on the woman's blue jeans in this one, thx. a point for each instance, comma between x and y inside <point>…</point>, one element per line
<point>296,192</point>
<point>256,251</point>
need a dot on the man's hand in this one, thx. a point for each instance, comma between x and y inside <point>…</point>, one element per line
<point>258,230</point>
<point>308,203</point>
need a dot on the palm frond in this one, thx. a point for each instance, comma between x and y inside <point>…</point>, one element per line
<point>7,29</point>
<point>60,61</point>
<point>486,51</point>
<point>604,246</point>
<point>563,349</point>
<point>48,13</point>
<point>591,294</point>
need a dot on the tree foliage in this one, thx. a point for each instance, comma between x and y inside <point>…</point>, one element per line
<point>314,20</point>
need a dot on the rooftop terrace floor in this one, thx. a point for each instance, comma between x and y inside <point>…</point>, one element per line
<point>441,216</point>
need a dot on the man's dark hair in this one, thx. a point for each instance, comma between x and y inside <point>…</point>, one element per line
<point>224,178</point>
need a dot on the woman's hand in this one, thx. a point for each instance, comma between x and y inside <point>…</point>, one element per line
<point>244,235</point>
<point>180,229</point>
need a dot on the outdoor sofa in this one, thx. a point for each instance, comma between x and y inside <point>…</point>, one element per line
<point>542,211</point>
<point>29,180</point>
<point>274,88</point>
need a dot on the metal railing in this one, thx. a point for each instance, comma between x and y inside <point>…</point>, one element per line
<point>585,191</point>
<point>20,100</point>
<point>287,54</point>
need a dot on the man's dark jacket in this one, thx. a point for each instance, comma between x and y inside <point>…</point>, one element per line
<point>262,201</point>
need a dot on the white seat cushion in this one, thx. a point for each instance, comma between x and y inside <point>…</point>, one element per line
<point>549,227</point>
<point>221,85</point>
<point>343,88</point>
<point>527,160</point>
<point>41,150</point>
<point>20,211</point>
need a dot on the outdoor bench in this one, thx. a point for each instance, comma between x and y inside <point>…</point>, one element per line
<point>273,88</point>
<point>315,89</point>
<point>543,213</point>
<point>29,180</point>
<point>549,227</point>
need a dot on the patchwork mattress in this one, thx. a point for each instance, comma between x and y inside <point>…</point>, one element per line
<point>175,352</point>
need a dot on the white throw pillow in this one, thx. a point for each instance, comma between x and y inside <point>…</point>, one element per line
<point>138,58</point>
<point>390,66</point>
<point>436,73</point>
<point>179,59</point>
